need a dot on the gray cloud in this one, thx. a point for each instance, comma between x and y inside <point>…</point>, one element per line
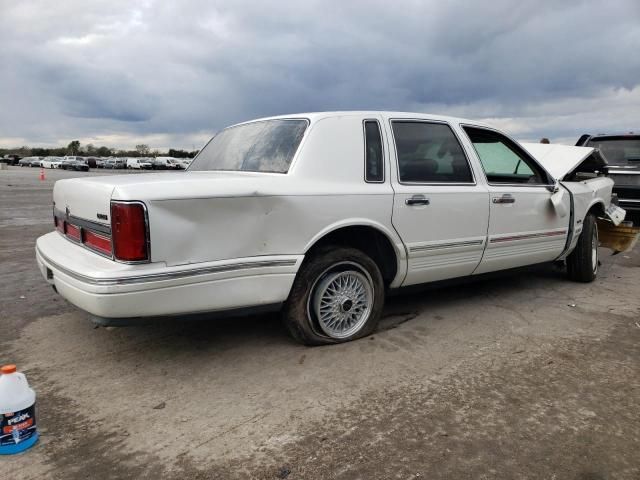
<point>172,73</point>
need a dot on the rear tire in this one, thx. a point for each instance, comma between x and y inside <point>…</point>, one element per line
<point>337,296</point>
<point>582,263</point>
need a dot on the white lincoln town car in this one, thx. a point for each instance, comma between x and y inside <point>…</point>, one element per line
<point>320,215</point>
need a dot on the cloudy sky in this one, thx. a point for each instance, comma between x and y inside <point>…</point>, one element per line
<point>165,73</point>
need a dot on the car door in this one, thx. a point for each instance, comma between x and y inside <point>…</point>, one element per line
<point>439,210</point>
<point>524,226</point>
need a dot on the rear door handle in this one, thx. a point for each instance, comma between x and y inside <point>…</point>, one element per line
<point>417,200</point>
<point>506,198</point>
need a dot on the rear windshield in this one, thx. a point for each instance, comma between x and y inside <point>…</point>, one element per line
<point>618,151</point>
<point>265,146</point>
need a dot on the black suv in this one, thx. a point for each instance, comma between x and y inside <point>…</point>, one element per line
<point>623,155</point>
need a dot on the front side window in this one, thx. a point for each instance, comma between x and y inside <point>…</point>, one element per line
<point>264,146</point>
<point>374,157</point>
<point>502,160</point>
<point>429,153</point>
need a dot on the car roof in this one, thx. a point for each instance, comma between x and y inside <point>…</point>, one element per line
<point>314,116</point>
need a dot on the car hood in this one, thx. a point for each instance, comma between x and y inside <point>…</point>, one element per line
<point>559,160</point>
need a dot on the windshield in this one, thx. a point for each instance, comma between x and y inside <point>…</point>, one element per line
<point>618,151</point>
<point>265,146</point>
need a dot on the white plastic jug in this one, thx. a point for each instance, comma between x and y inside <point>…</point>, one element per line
<point>17,412</point>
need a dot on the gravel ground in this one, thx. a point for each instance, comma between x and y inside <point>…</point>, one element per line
<point>522,376</point>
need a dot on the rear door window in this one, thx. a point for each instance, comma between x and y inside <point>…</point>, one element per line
<point>429,153</point>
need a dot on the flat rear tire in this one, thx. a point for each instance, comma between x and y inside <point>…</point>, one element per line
<point>337,296</point>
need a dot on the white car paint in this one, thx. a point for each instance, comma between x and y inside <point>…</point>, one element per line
<point>229,239</point>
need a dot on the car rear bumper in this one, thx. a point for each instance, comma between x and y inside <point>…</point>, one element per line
<point>111,290</point>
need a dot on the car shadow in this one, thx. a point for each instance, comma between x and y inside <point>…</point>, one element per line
<point>404,305</point>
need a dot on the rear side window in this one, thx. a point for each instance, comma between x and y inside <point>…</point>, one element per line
<point>374,156</point>
<point>429,153</point>
<point>502,160</point>
<point>263,146</point>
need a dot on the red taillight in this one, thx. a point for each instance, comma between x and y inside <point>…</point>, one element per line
<point>129,232</point>
<point>72,231</point>
<point>97,242</point>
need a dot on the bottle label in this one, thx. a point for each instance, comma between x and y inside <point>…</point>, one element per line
<point>17,427</point>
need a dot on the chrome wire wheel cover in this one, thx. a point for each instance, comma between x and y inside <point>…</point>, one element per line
<point>594,249</point>
<point>342,300</point>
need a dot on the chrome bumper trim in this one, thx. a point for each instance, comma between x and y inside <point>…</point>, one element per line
<point>157,277</point>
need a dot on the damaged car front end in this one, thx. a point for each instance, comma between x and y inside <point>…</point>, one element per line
<point>583,172</point>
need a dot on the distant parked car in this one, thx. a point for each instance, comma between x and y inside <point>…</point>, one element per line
<point>30,162</point>
<point>139,163</point>
<point>76,165</point>
<point>623,155</point>
<point>52,162</point>
<point>25,162</point>
<point>10,159</point>
<point>74,162</point>
<point>74,157</point>
<point>92,162</point>
<point>167,163</point>
<point>115,163</point>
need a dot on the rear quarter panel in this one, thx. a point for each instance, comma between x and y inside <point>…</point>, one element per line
<point>324,190</point>
<point>199,230</point>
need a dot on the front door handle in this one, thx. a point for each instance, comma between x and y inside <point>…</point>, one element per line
<point>417,200</point>
<point>506,198</point>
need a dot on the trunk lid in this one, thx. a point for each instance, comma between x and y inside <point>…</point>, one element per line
<point>89,198</point>
<point>84,198</point>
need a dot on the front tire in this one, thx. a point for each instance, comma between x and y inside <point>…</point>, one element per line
<point>337,296</point>
<point>582,263</point>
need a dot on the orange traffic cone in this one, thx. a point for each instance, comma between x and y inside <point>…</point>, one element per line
<point>42,174</point>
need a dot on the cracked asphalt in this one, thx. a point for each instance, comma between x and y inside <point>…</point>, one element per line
<point>526,375</point>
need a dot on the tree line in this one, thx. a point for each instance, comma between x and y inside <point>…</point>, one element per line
<point>90,150</point>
